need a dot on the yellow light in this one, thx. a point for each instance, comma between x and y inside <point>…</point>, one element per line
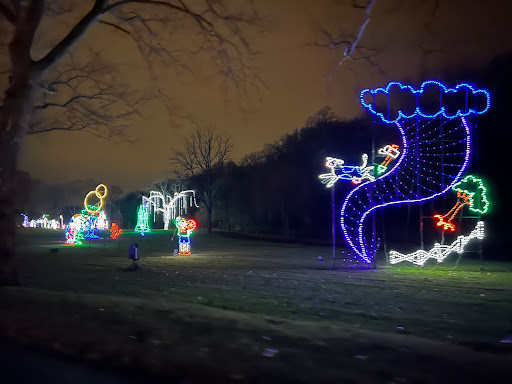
<point>98,194</point>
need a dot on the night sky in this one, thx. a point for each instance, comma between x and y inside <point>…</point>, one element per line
<point>414,40</point>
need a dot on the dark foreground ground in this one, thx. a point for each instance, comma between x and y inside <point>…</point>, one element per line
<point>247,311</point>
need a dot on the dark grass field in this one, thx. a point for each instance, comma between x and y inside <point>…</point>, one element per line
<point>252,311</point>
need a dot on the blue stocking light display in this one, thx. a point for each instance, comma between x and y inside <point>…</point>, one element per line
<point>433,156</point>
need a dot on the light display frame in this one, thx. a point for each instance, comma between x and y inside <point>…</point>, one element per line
<point>390,187</point>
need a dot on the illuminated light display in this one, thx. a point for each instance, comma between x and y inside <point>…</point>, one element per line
<point>185,228</point>
<point>74,230</point>
<point>142,220</point>
<point>439,252</point>
<point>476,191</point>
<point>115,231</point>
<point>471,191</point>
<point>91,220</point>
<point>100,192</point>
<point>445,221</point>
<point>391,152</point>
<point>170,207</point>
<point>356,174</point>
<point>461,89</point>
<point>42,222</point>
<point>435,153</point>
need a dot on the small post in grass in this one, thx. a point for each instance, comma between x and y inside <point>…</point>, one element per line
<point>133,253</point>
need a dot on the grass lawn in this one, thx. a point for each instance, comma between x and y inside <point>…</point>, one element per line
<point>253,311</point>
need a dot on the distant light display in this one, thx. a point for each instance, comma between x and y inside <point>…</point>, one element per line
<point>42,222</point>
<point>91,220</point>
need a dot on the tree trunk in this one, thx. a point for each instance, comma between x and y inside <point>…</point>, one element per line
<point>209,209</point>
<point>13,120</point>
<point>15,116</point>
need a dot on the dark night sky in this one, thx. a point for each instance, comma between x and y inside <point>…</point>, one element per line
<point>415,43</point>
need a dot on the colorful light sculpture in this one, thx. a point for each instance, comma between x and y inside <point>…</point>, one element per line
<point>354,173</point>
<point>391,152</point>
<point>115,231</point>
<point>91,220</point>
<point>435,152</point>
<point>142,220</point>
<point>75,230</point>
<point>185,228</point>
<point>472,192</point>
<point>445,221</point>
<point>170,206</point>
<point>42,222</point>
<point>439,252</point>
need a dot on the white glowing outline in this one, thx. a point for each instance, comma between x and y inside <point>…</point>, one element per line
<point>439,252</point>
<point>171,207</point>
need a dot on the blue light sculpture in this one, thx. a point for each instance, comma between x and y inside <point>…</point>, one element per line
<point>435,152</point>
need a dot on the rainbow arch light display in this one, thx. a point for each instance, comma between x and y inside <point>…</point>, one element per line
<point>435,150</point>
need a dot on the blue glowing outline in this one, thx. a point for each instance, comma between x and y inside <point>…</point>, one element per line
<point>364,252</point>
<point>442,110</point>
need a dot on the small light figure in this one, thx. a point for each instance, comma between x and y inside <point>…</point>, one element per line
<point>391,152</point>
<point>472,192</point>
<point>25,220</point>
<point>185,228</point>
<point>354,173</point>
<point>142,225</point>
<point>445,221</point>
<point>115,231</point>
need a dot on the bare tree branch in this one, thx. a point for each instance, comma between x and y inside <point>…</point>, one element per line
<point>7,13</point>
<point>72,37</point>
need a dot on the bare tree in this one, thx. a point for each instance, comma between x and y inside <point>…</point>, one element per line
<point>32,73</point>
<point>206,152</point>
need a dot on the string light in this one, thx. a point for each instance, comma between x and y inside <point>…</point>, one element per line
<point>185,228</point>
<point>115,231</point>
<point>171,207</point>
<point>396,87</point>
<point>439,252</point>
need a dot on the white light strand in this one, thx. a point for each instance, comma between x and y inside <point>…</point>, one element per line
<point>439,252</point>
